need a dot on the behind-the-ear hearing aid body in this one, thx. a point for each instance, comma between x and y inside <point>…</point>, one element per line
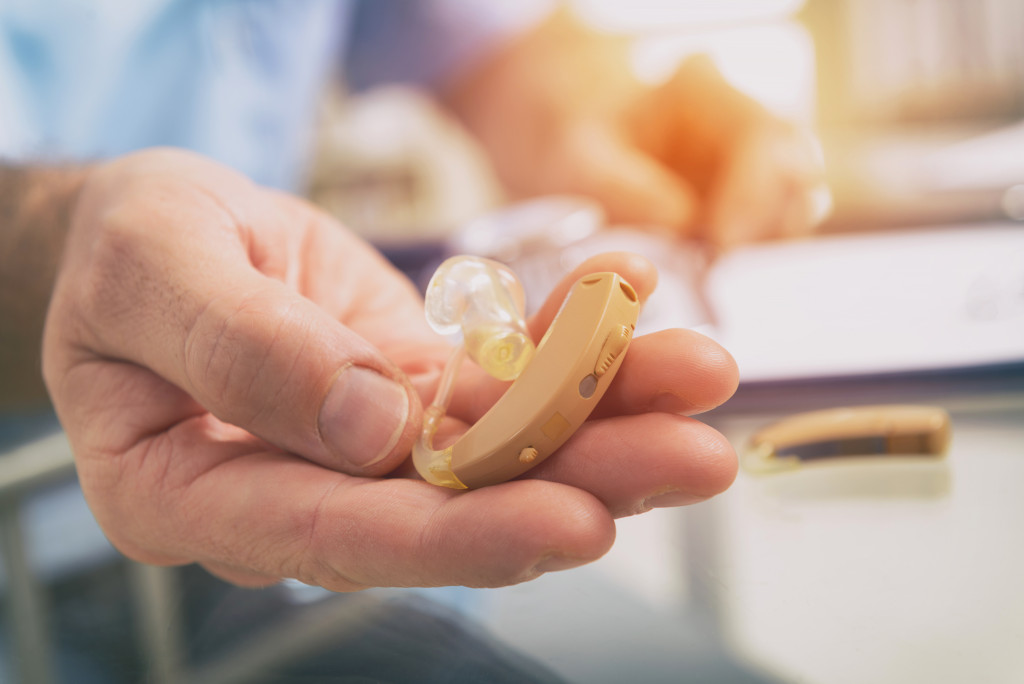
<point>556,386</point>
<point>818,436</point>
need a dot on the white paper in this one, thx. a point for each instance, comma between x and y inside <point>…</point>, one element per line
<point>873,303</point>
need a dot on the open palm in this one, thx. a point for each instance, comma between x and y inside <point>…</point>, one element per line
<point>241,380</point>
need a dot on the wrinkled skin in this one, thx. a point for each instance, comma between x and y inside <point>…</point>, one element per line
<point>242,379</point>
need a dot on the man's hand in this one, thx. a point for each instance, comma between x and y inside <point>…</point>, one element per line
<point>560,110</point>
<point>242,381</point>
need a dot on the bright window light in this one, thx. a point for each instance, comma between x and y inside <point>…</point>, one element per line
<point>660,15</point>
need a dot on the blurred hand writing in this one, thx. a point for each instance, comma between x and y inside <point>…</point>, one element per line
<point>560,111</point>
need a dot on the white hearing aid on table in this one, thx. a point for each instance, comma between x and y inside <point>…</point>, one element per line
<point>556,385</point>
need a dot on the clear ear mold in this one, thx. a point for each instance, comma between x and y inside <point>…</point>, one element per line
<point>479,305</point>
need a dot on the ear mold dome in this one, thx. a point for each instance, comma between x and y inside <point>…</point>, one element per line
<point>479,303</point>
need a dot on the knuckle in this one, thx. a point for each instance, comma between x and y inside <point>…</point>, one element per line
<point>240,354</point>
<point>112,270</point>
<point>118,486</point>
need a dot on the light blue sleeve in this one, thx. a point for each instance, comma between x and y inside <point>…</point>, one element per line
<point>426,42</point>
<point>236,80</point>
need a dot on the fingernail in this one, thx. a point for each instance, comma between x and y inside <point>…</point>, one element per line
<point>554,563</point>
<point>670,499</point>
<point>363,416</point>
<point>821,203</point>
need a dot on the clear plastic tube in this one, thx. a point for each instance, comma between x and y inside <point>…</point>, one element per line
<point>479,304</point>
<point>433,464</point>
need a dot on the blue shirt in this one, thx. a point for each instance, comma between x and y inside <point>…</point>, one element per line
<point>236,80</point>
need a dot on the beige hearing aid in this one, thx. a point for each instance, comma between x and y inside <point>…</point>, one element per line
<point>856,431</point>
<point>556,385</point>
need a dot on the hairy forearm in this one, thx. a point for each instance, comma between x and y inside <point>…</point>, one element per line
<point>35,211</point>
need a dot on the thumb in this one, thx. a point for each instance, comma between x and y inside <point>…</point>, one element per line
<point>253,352</point>
<point>279,366</point>
<point>166,266</point>
<point>633,186</point>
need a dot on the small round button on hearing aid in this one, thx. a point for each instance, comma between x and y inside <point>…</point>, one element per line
<point>588,386</point>
<point>556,384</point>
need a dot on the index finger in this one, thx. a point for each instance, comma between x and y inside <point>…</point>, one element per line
<point>676,371</point>
<point>477,391</point>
